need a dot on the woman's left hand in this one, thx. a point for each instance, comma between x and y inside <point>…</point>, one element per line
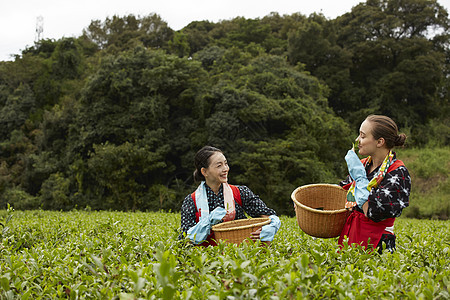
<point>254,236</point>
<point>227,217</point>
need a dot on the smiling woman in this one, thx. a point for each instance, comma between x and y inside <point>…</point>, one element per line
<point>216,201</point>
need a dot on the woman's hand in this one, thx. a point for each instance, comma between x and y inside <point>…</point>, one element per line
<point>365,208</point>
<point>225,218</point>
<point>254,236</point>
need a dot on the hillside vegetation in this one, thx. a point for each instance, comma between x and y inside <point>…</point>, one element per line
<point>429,170</point>
<point>111,119</point>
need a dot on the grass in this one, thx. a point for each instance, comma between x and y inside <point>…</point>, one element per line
<point>429,169</point>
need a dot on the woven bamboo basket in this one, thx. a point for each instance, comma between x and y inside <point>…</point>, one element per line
<point>237,231</point>
<point>320,209</point>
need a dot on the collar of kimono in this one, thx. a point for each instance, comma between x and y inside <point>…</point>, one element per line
<point>376,180</point>
<point>201,200</point>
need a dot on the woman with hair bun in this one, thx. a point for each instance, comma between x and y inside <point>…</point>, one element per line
<point>378,185</point>
<point>216,201</point>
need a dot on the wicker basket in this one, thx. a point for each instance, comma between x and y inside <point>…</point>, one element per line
<point>239,230</point>
<point>320,209</point>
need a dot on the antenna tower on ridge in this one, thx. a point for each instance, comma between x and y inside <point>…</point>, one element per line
<point>39,28</point>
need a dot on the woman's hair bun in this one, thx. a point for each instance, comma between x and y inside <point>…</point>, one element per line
<point>400,140</point>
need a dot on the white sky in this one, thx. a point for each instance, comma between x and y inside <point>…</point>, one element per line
<point>67,18</point>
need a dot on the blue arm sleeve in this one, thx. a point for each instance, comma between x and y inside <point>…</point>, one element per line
<point>268,231</point>
<point>202,229</point>
<point>358,173</point>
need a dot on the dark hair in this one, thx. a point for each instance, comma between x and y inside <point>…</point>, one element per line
<point>385,127</point>
<point>201,160</point>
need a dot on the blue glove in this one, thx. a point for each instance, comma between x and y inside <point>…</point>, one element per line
<point>268,231</point>
<point>358,174</point>
<point>217,215</point>
<point>202,229</point>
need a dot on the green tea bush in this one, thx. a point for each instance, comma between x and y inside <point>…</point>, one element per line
<point>117,255</point>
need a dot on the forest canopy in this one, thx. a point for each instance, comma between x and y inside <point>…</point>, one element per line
<point>112,119</point>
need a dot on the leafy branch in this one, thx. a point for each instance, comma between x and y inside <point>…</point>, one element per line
<point>8,218</point>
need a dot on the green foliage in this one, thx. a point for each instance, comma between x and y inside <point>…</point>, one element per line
<point>430,182</point>
<point>117,255</point>
<point>379,58</point>
<point>5,224</point>
<point>16,109</point>
<point>210,56</point>
<point>67,59</point>
<point>434,134</point>
<point>123,33</point>
<point>179,44</point>
<point>137,91</point>
<point>242,32</point>
<point>55,193</point>
<point>19,199</point>
<point>121,172</point>
<point>13,165</point>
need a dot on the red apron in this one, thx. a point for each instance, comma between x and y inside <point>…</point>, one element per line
<point>359,229</point>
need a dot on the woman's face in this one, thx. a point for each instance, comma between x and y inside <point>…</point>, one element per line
<point>217,172</point>
<point>368,145</point>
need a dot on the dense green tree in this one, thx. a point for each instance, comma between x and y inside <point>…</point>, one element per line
<point>391,44</point>
<point>24,70</point>
<point>210,56</point>
<point>122,173</point>
<point>123,33</point>
<point>43,48</point>
<point>179,44</point>
<point>13,154</point>
<point>67,59</point>
<point>55,193</point>
<point>314,45</point>
<point>280,27</point>
<point>197,34</point>
<point>16,109</point>
<point>139,90</point>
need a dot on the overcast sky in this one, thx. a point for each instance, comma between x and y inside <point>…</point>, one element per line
<point>67,18</point>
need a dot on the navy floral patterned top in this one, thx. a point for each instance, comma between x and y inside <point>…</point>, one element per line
<point>390,197</point>
<point>251,204</point>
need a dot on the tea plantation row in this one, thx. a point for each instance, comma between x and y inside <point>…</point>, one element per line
<point>117,255</point>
